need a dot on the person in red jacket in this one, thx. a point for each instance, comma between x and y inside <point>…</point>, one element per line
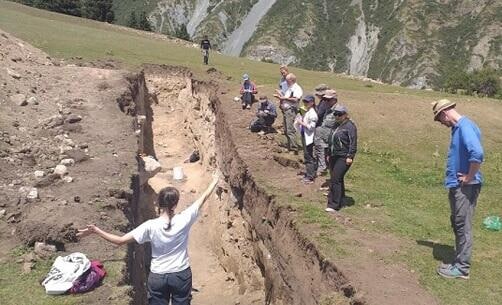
<point>248,90</point>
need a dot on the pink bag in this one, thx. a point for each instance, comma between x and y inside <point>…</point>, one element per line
<point>90,279</point>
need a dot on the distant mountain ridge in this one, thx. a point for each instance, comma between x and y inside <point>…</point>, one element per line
<point>409,42</point>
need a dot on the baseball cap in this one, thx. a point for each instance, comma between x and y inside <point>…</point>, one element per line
<point>245,76</point>
<point>309,98</point>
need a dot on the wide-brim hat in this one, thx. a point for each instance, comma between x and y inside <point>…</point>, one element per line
<point>329,94</point>
<point>439,106</point>
<point>321,89</point>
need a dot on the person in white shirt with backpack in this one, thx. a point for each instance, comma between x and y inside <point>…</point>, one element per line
<point>170,277</point>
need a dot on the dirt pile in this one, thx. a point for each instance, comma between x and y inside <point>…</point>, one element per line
<point>67,152</point>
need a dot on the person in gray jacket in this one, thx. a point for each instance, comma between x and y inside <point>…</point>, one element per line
<point>342,149</point>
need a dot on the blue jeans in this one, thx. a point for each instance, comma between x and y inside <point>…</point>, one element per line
<point>175,287</point>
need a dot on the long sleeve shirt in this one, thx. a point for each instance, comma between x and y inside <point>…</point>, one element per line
<point>465,147</point>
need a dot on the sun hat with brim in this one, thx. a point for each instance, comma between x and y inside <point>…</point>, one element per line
<point>329,94</point>
<point>439,106</point>
<point>245,77</point>
<point>320,89</point>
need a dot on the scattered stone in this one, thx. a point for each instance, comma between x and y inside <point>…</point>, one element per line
<point>39,174</point>
<point>68,179</point>
<point>13,74</point>
<point>84,146</point>
<point>60,170</point>
<point>2,213</point>
<point>19,99</point>
<point>43,248</point>
<point>117,193</point>
<point>193,191</point>
<point>33,193</point>
<point>77,155</point>
<point>76,198</point>
<point>47,180</point>
<point>13,217</point>
<point>27,267</point>
<point>67,162</point>
<point>32,101</point>
<point>298,195</point>
<point>73,118</point>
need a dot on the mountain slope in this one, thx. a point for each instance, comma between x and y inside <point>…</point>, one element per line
<point>409,42</point>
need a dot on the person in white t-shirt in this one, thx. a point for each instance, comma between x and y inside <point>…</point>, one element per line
<point>289,101</point>
<point>170,276</point>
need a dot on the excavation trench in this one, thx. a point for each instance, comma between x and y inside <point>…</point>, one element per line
<point>244,249</point>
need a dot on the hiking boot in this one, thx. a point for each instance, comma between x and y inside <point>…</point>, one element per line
<point>452,273</point>
<point>307,180</point>
<point>243,106</point>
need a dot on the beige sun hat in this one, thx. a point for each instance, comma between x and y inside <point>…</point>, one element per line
<point>438,106</point>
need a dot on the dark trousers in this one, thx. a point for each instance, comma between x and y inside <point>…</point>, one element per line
<point>175,287</point>
<point>262,123</point>
<point>337,170</point>
<point>289,128</point>
<point>309,160</point>
<point>247,98</point>
<point>205,54</point>
<point>463,203</point>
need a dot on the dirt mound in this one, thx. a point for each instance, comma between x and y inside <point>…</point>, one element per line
<point>65,149</point>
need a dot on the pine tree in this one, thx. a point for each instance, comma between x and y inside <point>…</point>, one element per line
<point>132,21</point>
<point>143,23</point>
<point>182,33</point>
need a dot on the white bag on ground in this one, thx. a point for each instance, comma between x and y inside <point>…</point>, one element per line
<point>64,271</point>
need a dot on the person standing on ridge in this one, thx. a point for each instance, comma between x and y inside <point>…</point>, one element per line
<point>289,101</point>
<point>170,278</point>
<point>342,148</point>
<point>205,46</point>
<point>463,179</point>
<point>307,125</point>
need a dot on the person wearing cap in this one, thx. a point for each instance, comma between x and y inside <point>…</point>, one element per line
<point>342,149</point>
<point>307,125</point>
<point>248,90</point>
<point>205,46</point>
<point>324,128</point>
<point>288,102</point>
<point>463,180</point>
<point>283,84</point>
<point>265,116</point>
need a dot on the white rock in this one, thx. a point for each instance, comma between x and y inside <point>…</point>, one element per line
<point>69,142</point>
<point>60,170</point>
<point>32,101</point>
<point>41,248</point>
<point>67,162</point>
<point>14,74</point>
<point>2,213</point>
<point>39,174</point>
<point>19,99</point>
<point>68,179</point>
<point>152,167</point>
<point>33,193</point>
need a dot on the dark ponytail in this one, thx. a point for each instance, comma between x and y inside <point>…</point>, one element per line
<point>168,199</point>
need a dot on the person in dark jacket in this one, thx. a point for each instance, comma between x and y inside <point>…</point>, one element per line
<point>205,46</point>
<point>325,108</point>
<point>265,116</point>
<point>343,148</point>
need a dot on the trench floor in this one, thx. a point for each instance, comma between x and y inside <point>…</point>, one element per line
<point>211,283</point>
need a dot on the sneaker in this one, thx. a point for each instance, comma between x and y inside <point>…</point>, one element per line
<point>248,107</point>
<point>330,210</point>
<point>243,105</point>
<point>261,133</point>
<point>452,273</point>
<point>307,181</point>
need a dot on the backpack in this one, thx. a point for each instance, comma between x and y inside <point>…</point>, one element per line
<point>90,279</point>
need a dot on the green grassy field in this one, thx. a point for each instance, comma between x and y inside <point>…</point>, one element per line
<point>397,170</point>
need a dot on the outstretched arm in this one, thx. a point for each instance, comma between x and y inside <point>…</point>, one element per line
<point>202,199</point>
<point>114,239</point>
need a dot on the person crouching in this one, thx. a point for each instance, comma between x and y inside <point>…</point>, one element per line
<point>307,125</point>
<point>265,116</point>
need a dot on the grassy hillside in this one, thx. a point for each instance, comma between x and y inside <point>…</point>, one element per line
<point>397,171</point>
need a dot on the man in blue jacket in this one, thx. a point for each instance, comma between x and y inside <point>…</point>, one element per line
<point>463,179</point>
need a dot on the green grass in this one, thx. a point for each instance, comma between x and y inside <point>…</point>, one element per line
<point>13,281</point>
<point>394,172</point>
